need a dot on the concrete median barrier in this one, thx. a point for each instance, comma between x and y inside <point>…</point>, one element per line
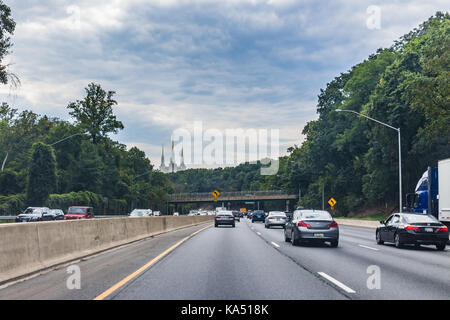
<point>26,248</point>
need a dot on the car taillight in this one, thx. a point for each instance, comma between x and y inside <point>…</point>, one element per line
<point>302,224</point>
<point>412,228</point>
<point>217,217</point>
<point>333,225</point>
<point>270,218</point>
<point>444,228</point>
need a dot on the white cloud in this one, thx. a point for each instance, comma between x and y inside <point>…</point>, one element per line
<point>230,64</point>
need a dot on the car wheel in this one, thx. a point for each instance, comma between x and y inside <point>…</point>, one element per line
<point>378,236</point>
<point>286,239</point>
<point>253,221</point>
<point>216,225</point>
<point>397,241</point>
<point>440,246</point>
<point>293,240</point>
<point>234,225</point>
<point>334,243</point>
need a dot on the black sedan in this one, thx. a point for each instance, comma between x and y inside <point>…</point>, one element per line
<point>411,228</point>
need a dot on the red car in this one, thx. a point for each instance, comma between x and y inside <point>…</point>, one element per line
<point>77,212</point>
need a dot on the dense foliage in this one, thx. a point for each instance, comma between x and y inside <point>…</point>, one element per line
<point>121,178</point>
<point>41,175</point>
<point>356,160</point>
<point>406,86</point>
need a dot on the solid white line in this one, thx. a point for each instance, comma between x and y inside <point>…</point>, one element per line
<point>336,282</point>
<point>258,233</point>
<point>363,246</point>
<point>276,245</point>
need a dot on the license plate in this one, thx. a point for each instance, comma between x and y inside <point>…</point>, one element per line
<point>428,229</point>
<point>318,235</point>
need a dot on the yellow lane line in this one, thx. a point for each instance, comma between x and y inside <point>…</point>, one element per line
<point>145,267</point>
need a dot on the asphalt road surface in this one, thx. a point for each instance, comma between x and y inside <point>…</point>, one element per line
<point>249,262</point>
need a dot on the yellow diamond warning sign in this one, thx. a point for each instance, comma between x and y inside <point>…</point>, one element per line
<point>332,202</point>
<point>215,194</point>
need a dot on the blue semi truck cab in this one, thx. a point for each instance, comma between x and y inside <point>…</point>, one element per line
<point>425,198</point>
<point>432,193</point>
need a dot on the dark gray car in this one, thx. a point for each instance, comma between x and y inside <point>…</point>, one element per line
<point>224,218</point>
<point>311,225</point>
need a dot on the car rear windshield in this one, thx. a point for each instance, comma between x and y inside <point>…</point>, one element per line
<point>281,214</point>
<point>316,215</point>
<point>415,218</point>
<point>77,210</point>
<point>224,213</point>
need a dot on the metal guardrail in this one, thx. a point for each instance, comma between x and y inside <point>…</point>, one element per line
<point>181,196</point>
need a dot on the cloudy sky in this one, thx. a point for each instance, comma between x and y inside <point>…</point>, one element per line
<point>229,64</point>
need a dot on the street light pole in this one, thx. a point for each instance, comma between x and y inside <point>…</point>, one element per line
<point>323,195</point>
<point>76,134</point>
<point>399,152</point>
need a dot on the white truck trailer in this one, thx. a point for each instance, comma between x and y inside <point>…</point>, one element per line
<point>444,191</point>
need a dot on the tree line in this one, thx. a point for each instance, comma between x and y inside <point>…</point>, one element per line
<point>49,160</point>
<point>356,160</point>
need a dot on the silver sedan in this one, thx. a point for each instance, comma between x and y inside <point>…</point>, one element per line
<point>275,219</point>
<point>312,225</point>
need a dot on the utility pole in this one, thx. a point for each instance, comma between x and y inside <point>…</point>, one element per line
<point>323,195</point>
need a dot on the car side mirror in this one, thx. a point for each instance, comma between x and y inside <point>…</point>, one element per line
<point>382,222</point>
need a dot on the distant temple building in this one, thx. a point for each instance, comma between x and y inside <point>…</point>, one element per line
<point>172,167</point>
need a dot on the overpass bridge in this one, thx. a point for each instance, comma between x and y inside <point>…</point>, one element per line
<point>230,197</point>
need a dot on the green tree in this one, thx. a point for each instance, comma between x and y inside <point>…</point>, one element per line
<point>89,169</point>
<point>94,113</point>
<point>41,174</point>
<point>7,27</point>
<point>8,183</point>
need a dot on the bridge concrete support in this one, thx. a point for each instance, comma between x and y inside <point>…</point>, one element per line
<point>287,205</point>
<point>229,205</point>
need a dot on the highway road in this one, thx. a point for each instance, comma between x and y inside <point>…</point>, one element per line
<point>248,262</point>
